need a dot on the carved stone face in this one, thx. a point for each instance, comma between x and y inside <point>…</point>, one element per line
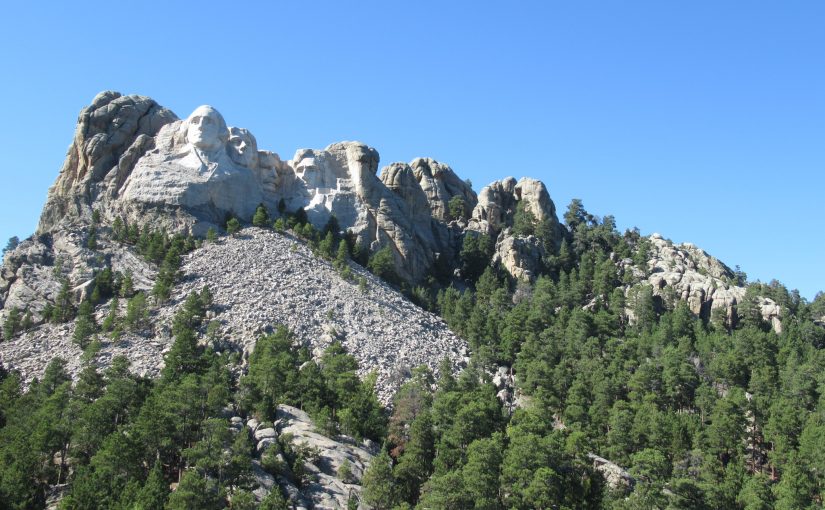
<point>206,128</point>
<point>308,172</point>
<point>243,148</point>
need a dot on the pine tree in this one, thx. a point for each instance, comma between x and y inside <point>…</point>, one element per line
<point>137,312</point>
<point>110,321</point>
<point>378,482</point>
<point>91,238</point>
<point>12,324</point>
<point>118,230</point>
<point>416,464</point>
<point>261,217</point>
<point>342,256</point>
<point>233,226</point>
<point>85,326</point>
<point>12,244</point>
<point>327,245</point>
<point>154,492</point>
<point>524,222</point>
<point>63,310</point>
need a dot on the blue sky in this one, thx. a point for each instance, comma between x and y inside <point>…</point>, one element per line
<point>704,121</point>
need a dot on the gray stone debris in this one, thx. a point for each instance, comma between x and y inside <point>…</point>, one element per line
<point>259,279</point>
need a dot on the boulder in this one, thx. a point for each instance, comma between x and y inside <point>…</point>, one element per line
<point>521,256</point>
<point>265,433</point>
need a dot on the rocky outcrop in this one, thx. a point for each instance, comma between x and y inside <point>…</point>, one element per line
<point>32,274</point>
<point>616,477</point>
<point>134,159</point>
<point>111,134</point>
<point>327,487</point>
<point>521,256</point>
<point>390,211</point>
<point>494,215</point>
<point>686,272</point>
<point>440,184</point>
<point>330,470</point>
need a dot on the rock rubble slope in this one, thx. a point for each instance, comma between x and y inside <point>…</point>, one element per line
<point>261,279</point>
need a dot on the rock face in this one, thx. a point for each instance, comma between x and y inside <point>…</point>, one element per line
<point>324,485</point>
<point>259,279</point>
<point>688,273</point>
<point>112,133</point>
<point>31,274</point>
<point>327,490</point>
<point>521,256</point>
<point>134,159</point>
<point>495,213</point>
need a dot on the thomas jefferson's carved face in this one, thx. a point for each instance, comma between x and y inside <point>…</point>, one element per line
<point>206,128</point>
<point>243,148</point>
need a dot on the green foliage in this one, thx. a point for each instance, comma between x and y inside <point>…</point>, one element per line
<point>85,325</point>
<point>524,221</point>
<point>273,501</point>
<point>211,235</point>
<point>382,264</point>
<point>327,245</point>
<point>345,472</point>
<point>137,313</point>
<point>91,237</point>
<point>457,208</point>
<point>273,375</point>
<point>476,253</point>
<point>127,288</point>
<point>260,219</point>
<point>195,491</point>
<point>63,310</point>
<point>233,226</point>
<point>379,490</point>
<point>111,320</point>
<point>12,324</point>
<point>12,243</point>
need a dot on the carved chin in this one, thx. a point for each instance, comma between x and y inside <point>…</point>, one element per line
<point>205,144</point>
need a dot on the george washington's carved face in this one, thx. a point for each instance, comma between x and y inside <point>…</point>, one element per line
<point>206,129</point>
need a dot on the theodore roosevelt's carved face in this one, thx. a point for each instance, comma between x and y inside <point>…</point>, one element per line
<point>206,129</point>
<point>243,148</point>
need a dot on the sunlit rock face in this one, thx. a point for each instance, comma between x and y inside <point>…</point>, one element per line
<point>202,167</point>
<point>134,159</point>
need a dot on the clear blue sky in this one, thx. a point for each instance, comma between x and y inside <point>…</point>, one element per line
<point>704,121</point>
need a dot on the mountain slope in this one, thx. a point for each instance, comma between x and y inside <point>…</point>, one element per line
<point>260,279</point>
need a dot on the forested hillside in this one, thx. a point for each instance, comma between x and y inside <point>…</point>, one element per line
<point>721,412</point>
